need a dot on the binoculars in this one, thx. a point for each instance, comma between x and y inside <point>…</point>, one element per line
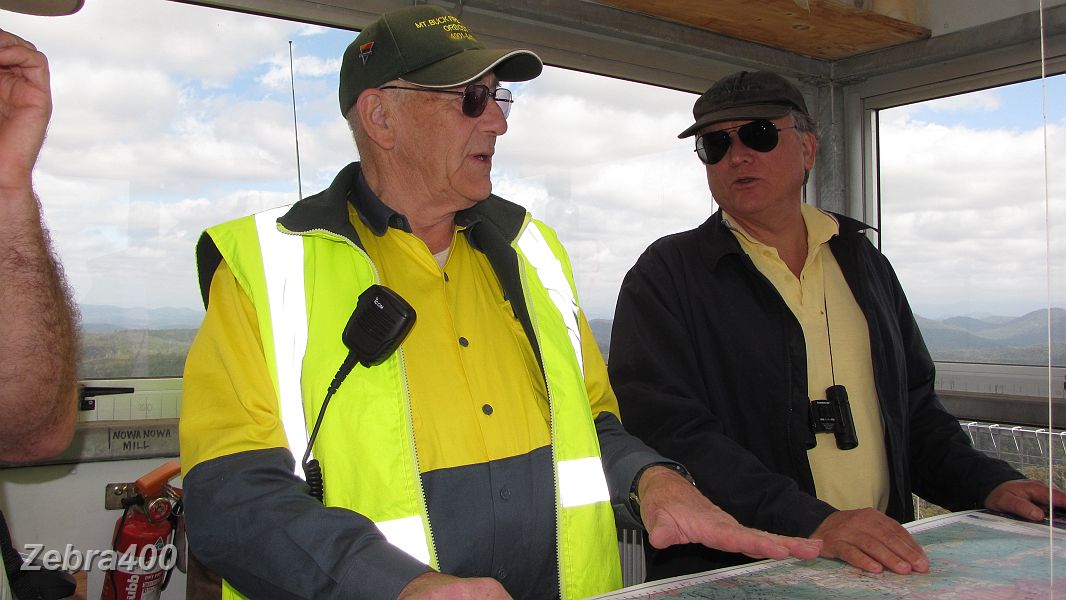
<point>833,415</point>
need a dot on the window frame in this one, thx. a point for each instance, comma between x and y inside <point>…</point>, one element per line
<point>861,103</point>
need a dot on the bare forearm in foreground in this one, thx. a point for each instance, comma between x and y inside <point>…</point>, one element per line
<point>38,343</point>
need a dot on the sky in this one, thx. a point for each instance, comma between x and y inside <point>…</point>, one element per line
<point>973,218</point>
<point>169,118</point>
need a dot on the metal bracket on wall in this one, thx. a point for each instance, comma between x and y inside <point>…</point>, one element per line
<point>115,493</point>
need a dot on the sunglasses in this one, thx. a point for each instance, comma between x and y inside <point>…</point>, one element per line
<point>759,135</point>
<point>475,97</point>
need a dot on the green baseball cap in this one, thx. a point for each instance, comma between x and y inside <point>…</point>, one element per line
<point>427,46</point>
<point>43,8</point>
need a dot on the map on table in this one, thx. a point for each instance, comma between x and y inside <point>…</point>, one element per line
<point>973,555</point>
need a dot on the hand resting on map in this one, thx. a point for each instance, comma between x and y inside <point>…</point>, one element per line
<point>675,512</point>
<point>871,541</point>
<point>1025,498</point>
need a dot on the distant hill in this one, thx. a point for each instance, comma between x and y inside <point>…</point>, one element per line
<point>991,339</point>
<point>970,323</point>
<point>1025,330</point>
<point>945,335</point>
<point>142,342</point>
<point>135,341</point>
<point>106,318</point>
<point>135,353</point>
<point>1017,340</point>
<point>601,330</point>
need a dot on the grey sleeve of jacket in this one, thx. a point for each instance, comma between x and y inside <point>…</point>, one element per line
<point>250,520</point>
<point>624,457</point>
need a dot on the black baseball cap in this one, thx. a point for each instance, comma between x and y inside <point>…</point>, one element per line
<point>746,95</point>
<point>427,46</point>
<point>44,8</point>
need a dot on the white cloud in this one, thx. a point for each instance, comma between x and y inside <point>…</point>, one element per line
<point>120,250</point>
<point>967,219</point>
<point>170,117</point>
<point>280,76</point>
<point>565,118</point>
<point>981,101</point>
<point>161,126</point>
<point>163,141</point>
<point>599,160</point>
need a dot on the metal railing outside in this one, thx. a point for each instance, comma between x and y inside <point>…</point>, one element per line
<point>1018,445</point>
<point>631,549</point>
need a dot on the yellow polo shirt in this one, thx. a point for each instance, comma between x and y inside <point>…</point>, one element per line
<point>476,388</point>
<point>827,311</point>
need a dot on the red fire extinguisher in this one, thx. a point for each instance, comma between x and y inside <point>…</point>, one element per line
<point>143,545</point>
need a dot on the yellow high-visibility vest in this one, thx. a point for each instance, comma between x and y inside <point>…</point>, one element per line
<point>303,284</point>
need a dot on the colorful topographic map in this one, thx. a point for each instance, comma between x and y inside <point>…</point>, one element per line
<point>973,556</point>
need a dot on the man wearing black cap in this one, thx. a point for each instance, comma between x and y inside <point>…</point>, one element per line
<point>772,351</point>
<point>480,459</point>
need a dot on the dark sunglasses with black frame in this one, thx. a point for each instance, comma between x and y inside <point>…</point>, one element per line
<point>759,135</point>
<point>475,97</point>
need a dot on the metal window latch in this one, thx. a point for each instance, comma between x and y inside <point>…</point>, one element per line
<point>87,394</point>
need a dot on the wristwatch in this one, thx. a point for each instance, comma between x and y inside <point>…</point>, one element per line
<point>634,498</point>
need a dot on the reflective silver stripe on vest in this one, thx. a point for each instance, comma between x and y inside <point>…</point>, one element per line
<point>550,271</point>
<point>581,482</point>
<point>283,267</point>
<point>408,535</point>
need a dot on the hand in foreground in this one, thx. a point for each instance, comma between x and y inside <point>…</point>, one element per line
<point>675,512</point>
<point>437,586</point>
<point>1024,497</point>
<point>25,106</point>
<point>871,541</point>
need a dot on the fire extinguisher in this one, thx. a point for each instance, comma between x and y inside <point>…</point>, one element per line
<point>143,542</point>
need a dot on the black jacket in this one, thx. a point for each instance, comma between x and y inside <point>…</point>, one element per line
<point>709,366</point>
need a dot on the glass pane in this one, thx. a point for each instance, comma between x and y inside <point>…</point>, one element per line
<point>972,210</point>
<point>169,118</point>
<point>971,225</point>
<point>599,160</point>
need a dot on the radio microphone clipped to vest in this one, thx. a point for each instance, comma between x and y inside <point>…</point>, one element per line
<point>380,322</point>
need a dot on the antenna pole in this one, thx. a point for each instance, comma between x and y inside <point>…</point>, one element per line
<point>295,128</point>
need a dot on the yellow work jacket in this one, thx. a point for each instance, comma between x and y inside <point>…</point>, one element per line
<point>304,273</point>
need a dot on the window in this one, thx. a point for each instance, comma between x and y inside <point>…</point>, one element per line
<point>971,225</point>
<point>169,118</point>
<point>598,159</point>
<point>971,213</point>
<point>972,207</point>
